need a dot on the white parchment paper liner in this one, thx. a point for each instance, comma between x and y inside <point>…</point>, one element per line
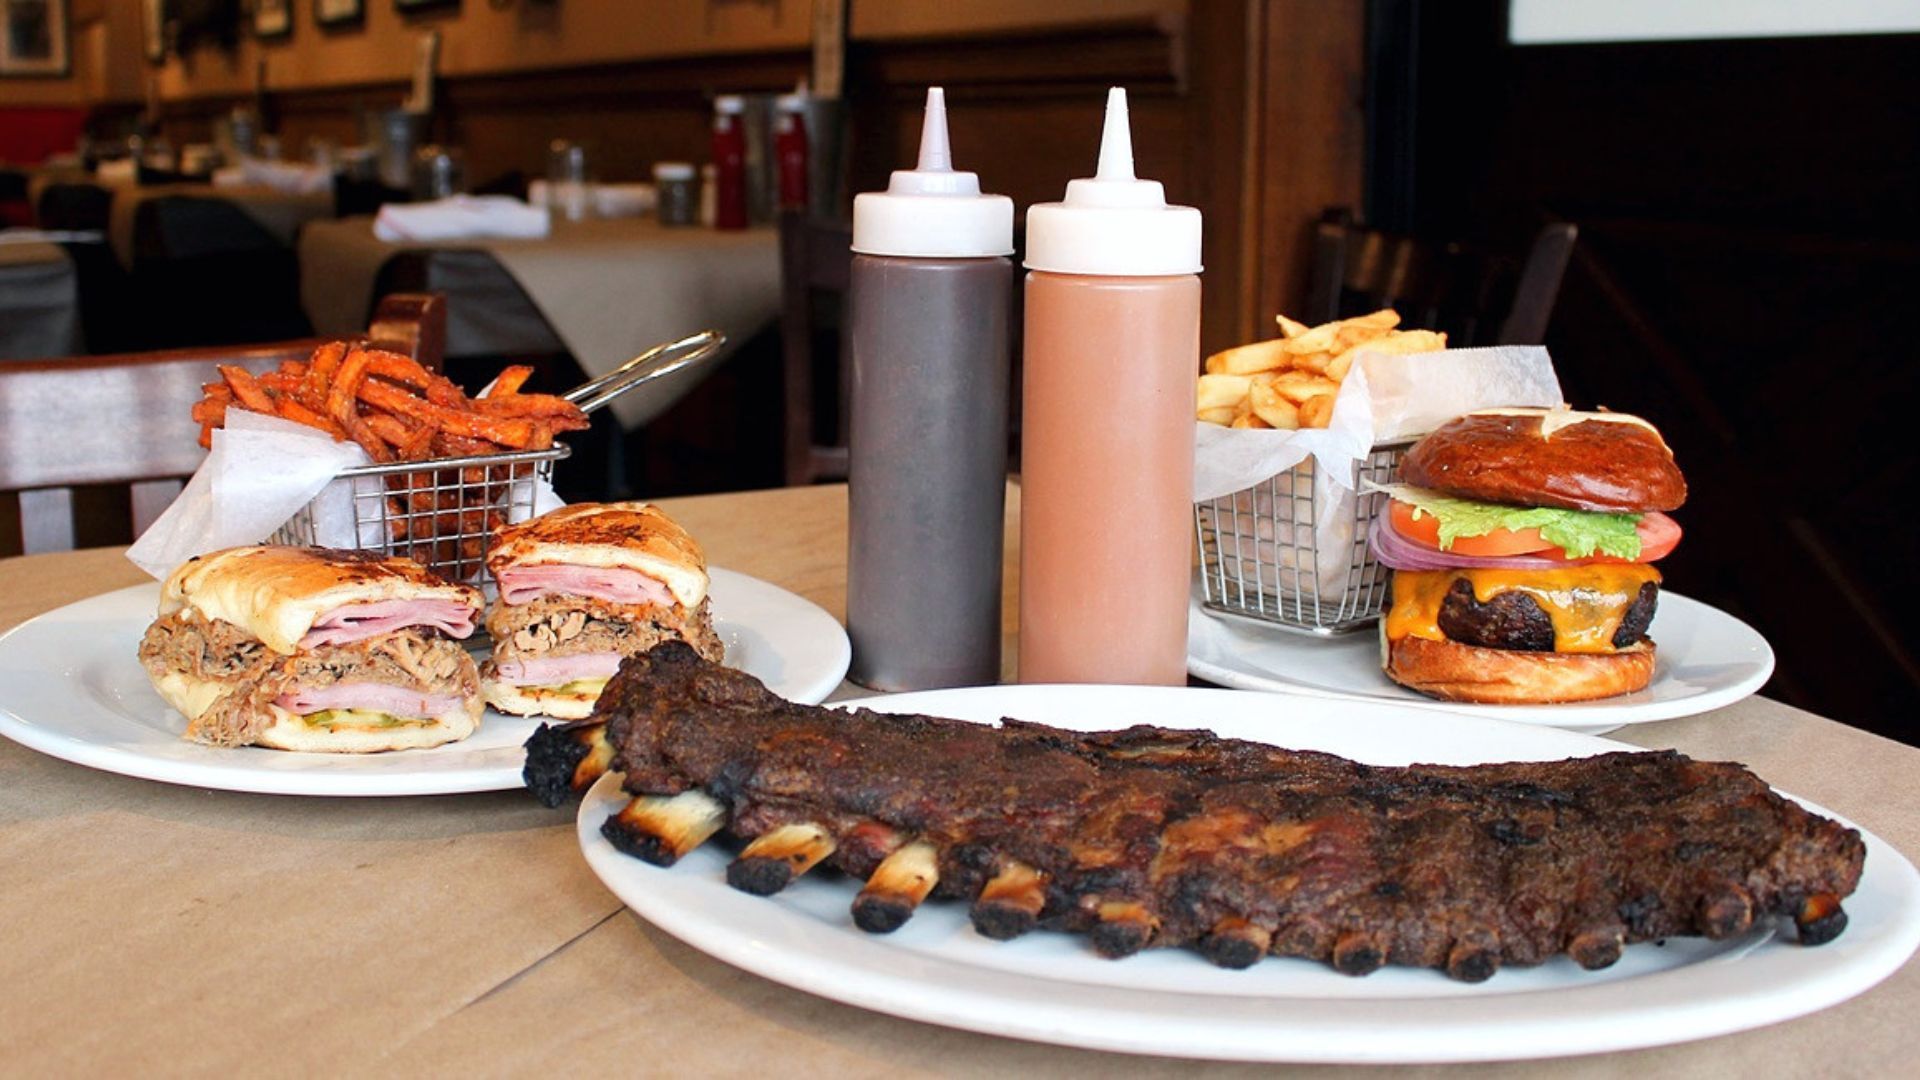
<point>262,471</point>
<point>1385,398</point>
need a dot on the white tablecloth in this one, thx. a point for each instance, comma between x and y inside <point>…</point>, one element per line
<point>608,288</point>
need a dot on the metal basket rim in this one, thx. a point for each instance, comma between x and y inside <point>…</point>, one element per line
<point>556,452</point>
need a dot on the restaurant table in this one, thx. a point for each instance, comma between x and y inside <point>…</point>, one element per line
<point>39,301</point>
<point>191,220</point>
<point>602,289</point>
<point>145,926</point>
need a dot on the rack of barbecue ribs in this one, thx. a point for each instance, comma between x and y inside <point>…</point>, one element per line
<point>1158,837</point>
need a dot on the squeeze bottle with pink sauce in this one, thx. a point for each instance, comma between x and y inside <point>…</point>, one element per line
<point>928,331</point>
<point>1112,349</point>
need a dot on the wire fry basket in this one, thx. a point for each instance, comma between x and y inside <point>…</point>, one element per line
<point>1260,559</point>
<point>439,513</point>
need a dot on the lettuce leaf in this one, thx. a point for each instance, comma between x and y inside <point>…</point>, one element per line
<point>1580,533</point>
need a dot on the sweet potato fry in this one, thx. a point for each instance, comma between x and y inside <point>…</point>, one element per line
<point>279,383</point>
<point>400,369</point>
<point>345,385</point>
<point>526,405</point>
<point>320,370</point>
<point>210,412</point>
<point>291,409</point>
<point>206,436</point>
<point>516,433</point>
<point>375,447</point>
<point>246,389</point>
<point>390,428</point>
<point>509,382</point>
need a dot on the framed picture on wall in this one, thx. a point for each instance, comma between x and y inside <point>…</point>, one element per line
<point>33,38</point>
<point>410,6</point>
<point>272,18</point>
<point>339,12</point>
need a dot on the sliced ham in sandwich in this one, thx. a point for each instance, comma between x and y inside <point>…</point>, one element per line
<point>314,649</point>
<point>581,589</point>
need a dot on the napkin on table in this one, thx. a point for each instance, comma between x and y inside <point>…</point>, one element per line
<point>462,217</point>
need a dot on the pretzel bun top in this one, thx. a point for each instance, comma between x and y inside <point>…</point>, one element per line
<point>1549,457</point>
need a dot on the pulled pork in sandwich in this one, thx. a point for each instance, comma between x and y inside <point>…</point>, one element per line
<point>581,589</point>
<point>315,649</point>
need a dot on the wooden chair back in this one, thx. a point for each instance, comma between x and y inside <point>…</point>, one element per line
<point>816,259</point>
<point>1477,297</point>
<point>124,420</point>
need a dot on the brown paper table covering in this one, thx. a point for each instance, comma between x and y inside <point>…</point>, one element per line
<point>607,287</point>
<point>279,214</point>
<point>148,927</point>
<point>39,302</point>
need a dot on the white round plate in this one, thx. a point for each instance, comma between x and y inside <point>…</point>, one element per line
<point>71,686</point>
<point>1051,987</point>
<point>1706,659</point>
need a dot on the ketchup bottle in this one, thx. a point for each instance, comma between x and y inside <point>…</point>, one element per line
<point>729,163</point>
<point>790,150</point>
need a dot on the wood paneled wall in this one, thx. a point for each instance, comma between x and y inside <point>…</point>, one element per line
<point>1248,109</point>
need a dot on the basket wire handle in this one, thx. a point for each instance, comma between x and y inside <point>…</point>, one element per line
<point>657,362</point>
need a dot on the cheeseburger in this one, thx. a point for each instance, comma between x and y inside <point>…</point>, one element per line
<point>581,589</point>
<point>314,649</point>
<point>1522,543</point>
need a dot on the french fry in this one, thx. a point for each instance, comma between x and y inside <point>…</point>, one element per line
<point>1296,389</point>
<point>1270,406</point>
<point>1316,411</point>
<point>1298,386</point>
<point>1247,359</point>
<point>1218,391</point>
<point>1399,342</point>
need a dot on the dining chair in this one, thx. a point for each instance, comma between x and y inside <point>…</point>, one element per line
<point>1478,297</point>
<point>816,259</point>
<point>124,420</point>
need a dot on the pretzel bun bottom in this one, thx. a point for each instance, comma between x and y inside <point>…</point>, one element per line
<point>1454,672</point>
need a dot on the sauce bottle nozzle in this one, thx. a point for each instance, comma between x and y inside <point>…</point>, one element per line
<point>1116,140</point>
<point>935,156</point>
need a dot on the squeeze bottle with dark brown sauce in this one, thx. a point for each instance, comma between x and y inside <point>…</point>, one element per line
<point>928,333</point>
<point>1106,486</point>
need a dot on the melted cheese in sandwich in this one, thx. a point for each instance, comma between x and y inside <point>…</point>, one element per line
<point>1553,420</point>
<point>1584,603</point>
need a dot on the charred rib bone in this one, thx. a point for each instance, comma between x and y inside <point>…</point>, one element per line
<point>1010,904</point>
<point>566,759</point>
<point>898,885</point>
<point>662,829</point>
<point>774,859</point>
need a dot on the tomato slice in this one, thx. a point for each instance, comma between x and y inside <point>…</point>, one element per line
<point>1659,535</point>
<point>1426,530</point>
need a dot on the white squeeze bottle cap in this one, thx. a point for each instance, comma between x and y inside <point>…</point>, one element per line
<point>931,211</point>
<point>1114,224</point>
